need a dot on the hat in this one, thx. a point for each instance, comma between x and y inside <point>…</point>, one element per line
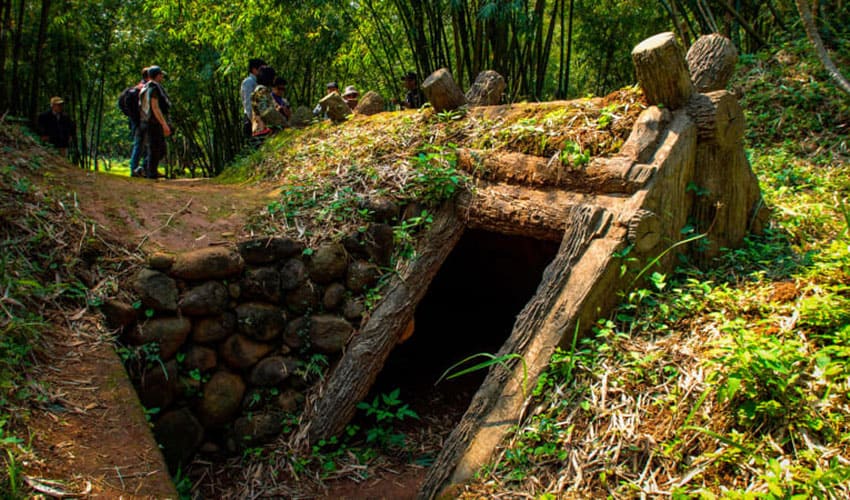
<point>350,90</point>
<point>56,100</point>
<point>155,70</point>
<point>410,76</point>
<point>332,85</point>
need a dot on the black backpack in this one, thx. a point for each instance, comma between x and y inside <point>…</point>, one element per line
<point>128,103</point>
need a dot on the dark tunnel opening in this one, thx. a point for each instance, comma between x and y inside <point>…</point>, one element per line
<point>470,307</point>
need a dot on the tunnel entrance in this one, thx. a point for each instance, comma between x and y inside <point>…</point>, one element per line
<point>470,307</point>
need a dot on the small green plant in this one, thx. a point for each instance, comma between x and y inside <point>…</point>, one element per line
<point>572,155</point>
<point>388,411</point>
<point>436,178</point>
<point>314,368</point>
<point>492,359</point>
<point>404,233</point>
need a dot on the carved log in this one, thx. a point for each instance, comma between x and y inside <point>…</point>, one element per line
<point>711,61</point>
<point>719,118</point>
<point>487,89</point>
<point>442,92</point>
<point>333,405</point>
<point>566,295</point>
<point>661,71</point>
<point>602,175</point>
<point>516,210</point>
<point>335,107</point>
<point>646,133</point>
<point>371,103</point>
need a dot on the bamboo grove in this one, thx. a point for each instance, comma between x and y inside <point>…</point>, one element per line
<point>87,52</point>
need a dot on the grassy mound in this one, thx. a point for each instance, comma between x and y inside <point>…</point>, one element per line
<point>732,382</point>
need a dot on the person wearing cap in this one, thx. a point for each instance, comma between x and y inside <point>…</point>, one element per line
<point>332,88</point>
<point>154,106</point>
<point>56,127</point>
<point>414,98</point>
<point>249,84</point>
<point>351,96</point>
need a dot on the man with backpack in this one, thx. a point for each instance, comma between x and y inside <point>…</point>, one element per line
<point>128,103</point>
<point>153,110</point>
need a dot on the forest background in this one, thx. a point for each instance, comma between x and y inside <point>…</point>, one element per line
<point>87,52</point>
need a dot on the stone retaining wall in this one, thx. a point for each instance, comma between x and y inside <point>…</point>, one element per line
<point>223,342</point>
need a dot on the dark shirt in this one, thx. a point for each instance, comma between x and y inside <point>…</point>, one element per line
<point>414,99</point>
<point>162,99</point>
<point>57,127</point>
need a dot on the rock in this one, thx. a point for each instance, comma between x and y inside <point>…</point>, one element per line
<point>289,401</point>
<point>169,333</point>
<point>257,429</point>
<point>335,107</point>
<point>222,399</point>
<point>442,92</point>
<point>158,386</point>
<point>355,246</point>
<point>161,261</point>
<point>361,275</point>
<point>208,264</point>
<point>328,333</point>
<point>156,290</point>
<point>293,273</point>
<point>370,103</point>
<point>301,116</point>
<point>333,297</point>
<point>179,434</point>
<point>381,208</point>
<point>209,330</point>
<point>117,314</point>
<point>273,370</point>
<point>260,321</point>
<point>303,299</point>
<point>207,299</point>
<point>200,358</point>
<point>378,241</point>
<point>327,263</point>
<point>487,89</point>
<point>234,290</point>
<point>261,284</point>
<point>268,250</point>
<point>296,331</point>
<point>240,352</point>
<point>352,309</point>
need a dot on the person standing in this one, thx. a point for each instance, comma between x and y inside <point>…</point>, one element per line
<point>245,91</point>
<point>56,127</point>
<point>134,118</point>
<point>414,98</point>
<point>154,110</point>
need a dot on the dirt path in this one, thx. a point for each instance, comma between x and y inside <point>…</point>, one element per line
<point>88,434</point>
<point>171,215</point>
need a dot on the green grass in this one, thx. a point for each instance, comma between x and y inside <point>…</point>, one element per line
<point>730,382</point>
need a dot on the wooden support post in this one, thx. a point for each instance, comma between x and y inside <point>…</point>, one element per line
<point>711,61</point>
<point>661,71</point>
<point>442,92</point>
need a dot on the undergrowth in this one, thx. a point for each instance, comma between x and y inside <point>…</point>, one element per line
<point>731,382</point>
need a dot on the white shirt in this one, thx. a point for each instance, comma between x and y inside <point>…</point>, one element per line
<point>248,86</point>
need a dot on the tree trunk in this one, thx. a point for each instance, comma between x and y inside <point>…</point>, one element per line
<point>823,55</point>
<point>719,118</point>
<point>602,175</point>
<point>37,64</point>
<point>541,214</point>
<point>335,403</point>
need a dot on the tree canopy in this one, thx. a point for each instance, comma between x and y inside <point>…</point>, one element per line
<point>87,52</point>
